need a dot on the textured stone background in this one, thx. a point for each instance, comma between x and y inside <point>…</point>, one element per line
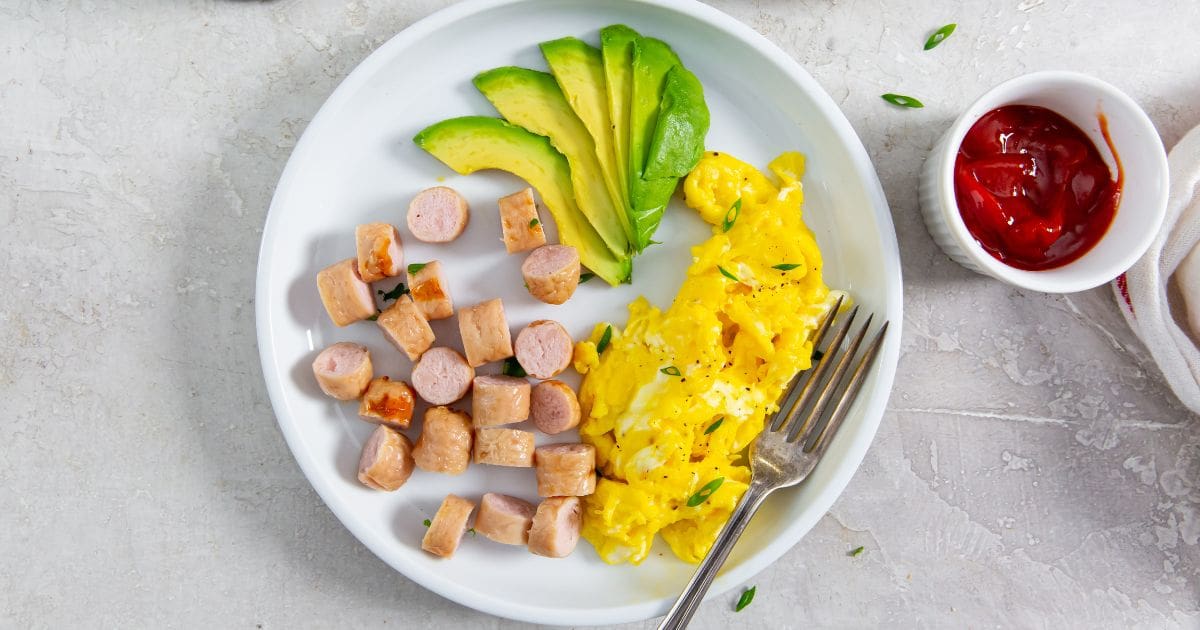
<point>1032,470</point>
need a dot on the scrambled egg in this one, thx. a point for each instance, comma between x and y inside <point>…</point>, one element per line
<point>673,400</point>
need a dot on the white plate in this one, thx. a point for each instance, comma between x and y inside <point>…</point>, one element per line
<point>356,163</point>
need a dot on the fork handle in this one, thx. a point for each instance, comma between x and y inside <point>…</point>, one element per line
<point>692,596</point>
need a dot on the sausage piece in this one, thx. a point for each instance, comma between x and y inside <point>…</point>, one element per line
<point>519,223</point>
<point>380,254</point>
<point>499,400</point>
<point>504,447</point>
<point>544,349</point>
<point>386,461</point>
<point>387,402</point>
<point>504,519</point>
<point>444,445</point>
<point>346,297</point>
<point>485,333</point>
<point>448,526</point>
<point>343,370</point>
<point>555,528</point>
<point>553,406</point>
<point>428,288</point>
<point>442,376</point>
<point>552,273</point>
<point>565,470</point>
<point>405,326</point>
<point>438,215</point>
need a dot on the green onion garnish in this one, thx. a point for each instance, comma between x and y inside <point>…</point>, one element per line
<point>713,427</point>
<point>745,599</point>
<point>396,292</point>
<point>903,101</point>
<point>939,36</point>
<point>512,367</point>
<point>605,339</point>
<point>705,492</point>
<point>415,267</point>
<point>785,266</point>
<point>725,272</point>
<point>732,215</point>
<point>375,317</point>
<point>533,223</point>
<point>585,277</point>
<point>426,521</point>
<point>670,370</point>
<point>857,552</point>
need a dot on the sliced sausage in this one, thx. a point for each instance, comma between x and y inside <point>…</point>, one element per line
<point>343,370</point>
<point>504,519</point>
<point>386,461</point>
<point>346,297</point>
<point>429,290</point>
<point>553,407</point>
<point>380,254</point>
<point>442,376</point>
<point>438,215</point>
<point>552,273</point>
<point>406,327</point>
<point>448,526</point>
<point>519,222</point>
<point>555,528</point>
<point>485,333</point>
<point>387,402</point>
<point>444,445</point>
<point>504,447</point>
<point>565,470</point>
<point>499,400</point>
<point>544,349</point>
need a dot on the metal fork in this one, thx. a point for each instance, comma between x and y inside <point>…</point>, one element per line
<point>793,442</point>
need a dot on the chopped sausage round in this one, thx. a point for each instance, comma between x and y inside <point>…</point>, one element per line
<point>444,445</point>
<point>519,223</point>
<point>442,376</point>
<point>386,461</point>
<point>387,402</point>
<point>485,333</point>
<point>427,285</point>
<point>544,349</point>
<point>405,326</point>
<point>552,273</point>
<point>504,447</point>
<point>343,370</point>
<point>553,407</point>
<point>499,400</point>
<point>565,470</point>
<point>447,527</point>
<point>346,297</point>
<point>555,528</point>
<point>380,254</point>
<point>438,215</point>
<point>504,519</point>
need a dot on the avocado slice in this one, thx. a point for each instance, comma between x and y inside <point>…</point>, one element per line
<point>534,101</point>
<point>579,70</point>
<point>616,50</point>
<point>473,143</point>
<point>678,141</point>
<point>652,60</point>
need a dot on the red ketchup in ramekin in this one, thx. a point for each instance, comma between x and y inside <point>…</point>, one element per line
<point>1032,188</point>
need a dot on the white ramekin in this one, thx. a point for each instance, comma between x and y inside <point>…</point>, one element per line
<point>1080,99</point>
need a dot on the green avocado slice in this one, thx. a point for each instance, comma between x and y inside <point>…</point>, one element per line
<point>473,143</point>
<point>652,61</point>
<point>678,141</point>
<point>534,101</point>
<point>579,70</point>
<point>616,48</point>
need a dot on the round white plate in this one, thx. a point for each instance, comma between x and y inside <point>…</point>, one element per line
<point>356,163</point>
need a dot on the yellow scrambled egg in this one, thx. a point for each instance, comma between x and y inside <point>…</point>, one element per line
<point>673,399</point>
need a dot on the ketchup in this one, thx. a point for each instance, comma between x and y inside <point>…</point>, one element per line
<point>1032,188</point>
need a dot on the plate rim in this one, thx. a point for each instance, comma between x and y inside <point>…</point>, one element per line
<point>824,498</point>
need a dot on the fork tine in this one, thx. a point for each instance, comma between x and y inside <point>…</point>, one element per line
<point>788,401</point>
<point>812,419</point>
<point>819,443</point>
<point>818,373</point>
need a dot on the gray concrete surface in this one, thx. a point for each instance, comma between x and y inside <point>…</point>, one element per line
<point>1032,470</point>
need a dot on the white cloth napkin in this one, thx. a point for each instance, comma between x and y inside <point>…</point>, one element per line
<point>1143,293</point>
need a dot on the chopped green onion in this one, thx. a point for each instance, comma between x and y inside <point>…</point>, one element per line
<point>375,316</point>
<point>939,35</point>
<point>705,492</point>
<point>785,266</point>
<point>732,215</point>
<point>427,523</point>
<point>725,272</point>
<point>415,267</point>
<point>713,427</point>
<point>745,599</point>
<point>585,277</point>
<point>533,223</point>
<point>903,101</point>
<point>605,339</point>
<point>670,370</point>
<point>512,367</point>
<point>396,293</point>
<point>857,552</point>
<point>471,531</point>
